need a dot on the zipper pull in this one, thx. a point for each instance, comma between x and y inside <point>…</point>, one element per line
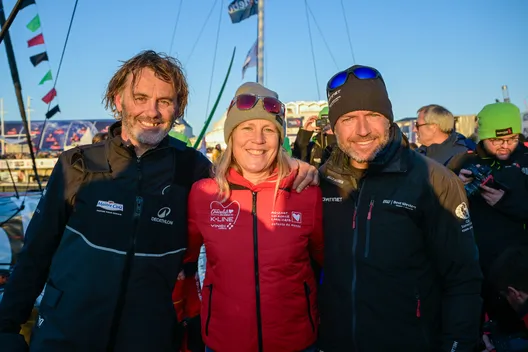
<point>369,216</point>
<point>354,218</point>
<point>418,312</point>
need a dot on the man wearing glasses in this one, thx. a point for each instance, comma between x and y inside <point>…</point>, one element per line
<point>435,131</point>
<point>401,268</point>
<point>500,207</point>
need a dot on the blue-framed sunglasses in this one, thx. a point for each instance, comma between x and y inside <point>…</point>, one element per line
<point>360,72</point>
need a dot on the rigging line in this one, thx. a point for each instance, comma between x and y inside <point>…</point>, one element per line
<point>201,32</point>
<point>58,69</point>
<point>312,47</point>
<point>214,57</point>
<point>175,26</point>
<point>324,40</point>
<point>348,33</point>
<point>64,47</point>
<point>12,179</point>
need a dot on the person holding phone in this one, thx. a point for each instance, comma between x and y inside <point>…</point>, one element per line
<point>315,140</point>
<point>499,208</point>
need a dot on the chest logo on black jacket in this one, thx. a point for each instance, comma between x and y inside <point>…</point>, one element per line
<point>224,217</point>
<point>162,214</point>
<point>399,204</point>
<point>109,207</point>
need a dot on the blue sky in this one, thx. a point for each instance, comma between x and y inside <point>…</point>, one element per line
<point>454,53</point>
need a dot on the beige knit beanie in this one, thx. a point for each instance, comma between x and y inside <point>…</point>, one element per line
<point>236,116</point>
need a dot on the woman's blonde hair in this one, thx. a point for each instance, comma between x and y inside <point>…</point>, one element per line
<point>227,161</point>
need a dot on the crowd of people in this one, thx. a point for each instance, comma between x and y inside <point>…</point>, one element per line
<point>357,242</point>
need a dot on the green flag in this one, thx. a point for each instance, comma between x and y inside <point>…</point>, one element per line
<point>34,24</point>
<point>47,77</point>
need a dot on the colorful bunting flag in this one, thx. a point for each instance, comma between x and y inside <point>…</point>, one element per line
<point>37,59</point>
<point>52,112</point>
<point>26,3</point>
<point>39,39</point>
<point>251,58</point>
<point>239,10</point>
<point>34,24</point>
<point>49,97</point>
<point>47,77</point>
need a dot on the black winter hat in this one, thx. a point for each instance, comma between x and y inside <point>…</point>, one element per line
<point>363,88</point>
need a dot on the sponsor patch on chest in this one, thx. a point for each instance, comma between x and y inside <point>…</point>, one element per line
<point>399,204</point>
<point>286,218</point>
<point>224,217</point>
<point>109,207</point>
<point>162,214</point>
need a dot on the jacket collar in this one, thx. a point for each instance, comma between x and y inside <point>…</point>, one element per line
<point>450,141</point>
<point>392,159</point>
<point>236,179</point>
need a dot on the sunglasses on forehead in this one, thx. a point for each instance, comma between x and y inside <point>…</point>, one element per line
<point>360,72</point>
<point>248,101</point>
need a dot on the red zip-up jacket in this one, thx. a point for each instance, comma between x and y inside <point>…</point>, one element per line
<point>259,291</point>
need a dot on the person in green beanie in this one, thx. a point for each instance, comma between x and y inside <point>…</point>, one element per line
<point>499,208</point>
<point>315,140</point>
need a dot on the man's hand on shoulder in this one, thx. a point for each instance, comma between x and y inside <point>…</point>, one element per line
<point>307,175</point>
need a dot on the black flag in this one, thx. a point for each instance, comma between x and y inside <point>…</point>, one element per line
<point>52,112</point>
<point>37,59</point>
<point>26,3</point>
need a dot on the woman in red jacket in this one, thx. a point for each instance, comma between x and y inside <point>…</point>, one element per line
<point>259,291</point>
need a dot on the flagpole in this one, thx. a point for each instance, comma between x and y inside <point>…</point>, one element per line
<point>260,50</point>
<point>2,122</point>
<point>18,87</point>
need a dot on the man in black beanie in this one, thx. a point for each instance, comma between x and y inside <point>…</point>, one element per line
<point>401,268</point>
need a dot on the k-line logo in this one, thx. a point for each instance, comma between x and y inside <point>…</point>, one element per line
<point>109,205</point>
<point>162,214</point>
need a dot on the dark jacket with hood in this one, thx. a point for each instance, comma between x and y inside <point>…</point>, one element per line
<point>502,225</point>
<point>401,267</point>
<point>107,239</point>
<point>455,144</point>
<point>313,151</point>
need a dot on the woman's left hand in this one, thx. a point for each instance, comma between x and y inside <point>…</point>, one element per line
<point>307,175</point>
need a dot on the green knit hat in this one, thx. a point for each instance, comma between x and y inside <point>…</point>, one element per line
<point>499,119</point>
<point>323,112</point>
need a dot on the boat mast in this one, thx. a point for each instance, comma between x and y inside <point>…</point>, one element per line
<point>2,112</point>
<point>260,54</point>
<point>16,79</point>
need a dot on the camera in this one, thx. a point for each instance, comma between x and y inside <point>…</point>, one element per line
<point>322,121</point>
<point>517,342</point>
<point>481,176</point>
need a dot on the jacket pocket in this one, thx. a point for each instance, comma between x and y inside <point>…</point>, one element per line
<point>210,287</point>
<point>309,305</point>
<point>367,230</point>
<point>52,296</point>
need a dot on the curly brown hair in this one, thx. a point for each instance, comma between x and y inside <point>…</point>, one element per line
<point>165,67</point>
